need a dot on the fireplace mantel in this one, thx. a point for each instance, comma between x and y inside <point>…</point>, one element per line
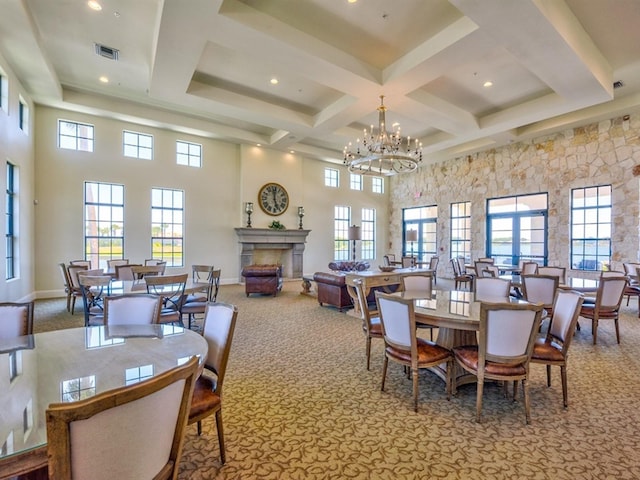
<point>253,239</point>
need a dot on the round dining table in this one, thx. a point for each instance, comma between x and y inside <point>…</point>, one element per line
<point>73,364</point>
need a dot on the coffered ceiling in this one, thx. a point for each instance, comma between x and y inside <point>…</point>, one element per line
<point>552,64</point>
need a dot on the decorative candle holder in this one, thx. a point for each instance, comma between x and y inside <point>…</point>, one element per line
<point>248,208</point>
<point>300,214</point>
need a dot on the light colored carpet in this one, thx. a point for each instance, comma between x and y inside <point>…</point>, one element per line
<point>300,404</point>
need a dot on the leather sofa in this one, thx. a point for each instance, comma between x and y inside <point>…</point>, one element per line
<point>266,279</point>
<point>332,290</point>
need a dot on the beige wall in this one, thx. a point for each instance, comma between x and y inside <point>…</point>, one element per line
<point>16,147</point>
<point>214,196</point>
<point>601,153</point>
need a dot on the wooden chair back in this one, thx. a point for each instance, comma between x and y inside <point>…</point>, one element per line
<point>86,439</point>
<point>492,289</point>
<point>16,319</point>
<point>559,272</point>
<point>540,289</point>
<point>132,309</point>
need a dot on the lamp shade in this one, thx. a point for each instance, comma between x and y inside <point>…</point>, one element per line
<point>354,232</point>
<point>412,236</point>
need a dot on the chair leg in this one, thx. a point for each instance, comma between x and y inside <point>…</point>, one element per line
<point>617,330</point>
<point>199,428</point>
<point>594,330</point>
<point>527,404</point>
<point>414,374</point>
<point>479,399</point>
<point>368,351</point>
<point>384,372</point>
<point>548,375</point>
<point>563,375</point>
<point>220,435</point>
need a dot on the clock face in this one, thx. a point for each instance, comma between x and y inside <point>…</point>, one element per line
<point>273,199</point>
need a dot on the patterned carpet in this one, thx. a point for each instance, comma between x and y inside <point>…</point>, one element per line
<point>300,404</point>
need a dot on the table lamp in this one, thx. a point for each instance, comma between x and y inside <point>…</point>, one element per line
<point>412,236</point>
<point>354,234</point>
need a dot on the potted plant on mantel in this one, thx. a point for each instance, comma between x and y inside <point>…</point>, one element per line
<point>276,225</point>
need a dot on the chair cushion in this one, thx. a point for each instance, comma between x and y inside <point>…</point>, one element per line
<point>428,352</point>
<point>588,311</point>
<point>468,356</point>
<point>205,400</point>
<point>546,351</point>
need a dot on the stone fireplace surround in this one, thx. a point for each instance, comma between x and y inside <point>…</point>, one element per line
<point>255,239</point>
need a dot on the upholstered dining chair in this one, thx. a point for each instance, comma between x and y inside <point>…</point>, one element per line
<point>408,262</point>
<point>607,304</point>
<point>218,328</point>
<point>559,272</point>
<point>553,349</point>
<point>81,263</point>
<point>125,272</point>
<point>196,303</point>
<point>94,289</point>
<point>490,271</point>
<point>132,309</point>
<point>371,326</point>
<point>403,346</point>
<point>131,432</point>
<point>171,289</point>
<point>492,289</point>
<point>505,344</point>
<point>143,271</point>
<point>76,291</point>
<point>117,261</point>
<point>460,277</point>
<point>433,266</point>
<point>420,285</point>
<point>480,267</point>
<point>529,268</point>
<point>68,286</point>
<point>16,319</point>
<point>540,289</point>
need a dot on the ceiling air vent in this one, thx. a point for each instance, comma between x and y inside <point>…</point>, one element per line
<point>618,84</point>
<point>106,52</point>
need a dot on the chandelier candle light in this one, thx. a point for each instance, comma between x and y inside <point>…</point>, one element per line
<point>382,153</point>
<point>248,208</point>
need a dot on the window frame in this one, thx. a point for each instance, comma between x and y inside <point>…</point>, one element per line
<point>368,234</point>
<point>460,224</point>
<point>331,177</point>
<point>137,149</point>
<point>188,155</point>
<point>77,138</point>
<point>377,185</point>
<point>356,182</point>
<point>579,261</point>
<point>92,243</point>
<point>170,246</point>
<point>424,219</point>
<point>23,115</point>
<point>10,222</point>
<point>341,223</point>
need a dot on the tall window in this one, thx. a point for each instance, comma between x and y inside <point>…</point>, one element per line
<point>424,220</point>
<point>591,227</point>
<point>75,136</point>
<point>4,91</point>
<point>368,234</point>
<point>137,145</point>
<point>377,184</point>
<point>341,221</point>
<point>23,115</point>
<point>355,181</point>
<point>104,222</point>
<point>331,177</point>
<point>167,225</point>
<point>10,222</point>
<point>461,230</point>
<point>189,154</point>
<point>517,229</point>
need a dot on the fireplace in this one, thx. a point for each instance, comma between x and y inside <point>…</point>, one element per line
<point>266,245</point>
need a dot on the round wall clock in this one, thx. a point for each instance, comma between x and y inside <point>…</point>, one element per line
<point>273,199</point>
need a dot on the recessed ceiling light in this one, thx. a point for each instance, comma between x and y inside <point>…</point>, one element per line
<point>258,144</point>
<point>292,151</point>
<point>487,84</point>
<point>274,81</point>
<point>104,79</point>
<point>352,1</point>
<point>93,5</point>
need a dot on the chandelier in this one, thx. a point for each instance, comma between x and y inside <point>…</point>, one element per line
<point>382,153</point>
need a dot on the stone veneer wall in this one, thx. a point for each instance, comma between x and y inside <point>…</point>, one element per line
<point>607,152</point>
